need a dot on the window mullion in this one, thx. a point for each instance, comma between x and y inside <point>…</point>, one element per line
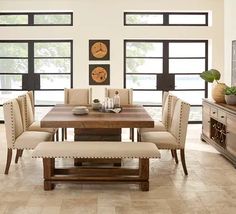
<point>165,18</point>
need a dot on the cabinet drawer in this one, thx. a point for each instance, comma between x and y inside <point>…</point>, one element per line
<point>221,116</point>
<point>214,112</point>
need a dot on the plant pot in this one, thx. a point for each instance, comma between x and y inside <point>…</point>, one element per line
<point>230,99</point>
<point>218,92</point>
<point>96,106</point>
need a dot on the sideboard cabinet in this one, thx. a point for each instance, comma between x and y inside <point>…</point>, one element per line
<point>219,127</point>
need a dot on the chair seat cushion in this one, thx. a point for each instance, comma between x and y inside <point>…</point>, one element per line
<point>30,139</point>
<point>163,140</point>
<point>35,126</point>
<point>158,127</point>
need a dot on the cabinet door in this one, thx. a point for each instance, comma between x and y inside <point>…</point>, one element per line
<point>206,120</point>
<point>231,134</point>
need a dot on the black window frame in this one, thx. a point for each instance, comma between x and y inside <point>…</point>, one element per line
<point>31,74</point>
<point>31,18</point>
<point>166,18</point>
<point>165,57</point>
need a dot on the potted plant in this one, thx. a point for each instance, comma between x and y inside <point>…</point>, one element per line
<point>230,95</point>
<point>96,105</point>
<point>218,90</point>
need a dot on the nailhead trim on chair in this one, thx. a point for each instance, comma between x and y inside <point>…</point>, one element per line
<point>180,122</point>
<point>167,125</point>
<point>12,123</point>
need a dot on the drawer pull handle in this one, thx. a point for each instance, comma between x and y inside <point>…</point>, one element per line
<point>213,112</point>
<point>222,117</point>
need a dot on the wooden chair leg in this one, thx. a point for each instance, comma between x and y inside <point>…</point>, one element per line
<point>18,153</point>
<point>21,152</point>
<point>175,156</point>
<point>65,133</point>
<point>172,153</point>
<point>183,161</point>
<point>57,135</point>
<point>131,134</point>
<point>8,163</point>
<point>62,134</point>
<point>138,137</point>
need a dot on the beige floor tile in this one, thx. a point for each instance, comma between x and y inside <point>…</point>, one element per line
<point>209,187</point>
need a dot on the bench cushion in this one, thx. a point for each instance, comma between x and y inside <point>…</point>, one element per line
<point>104,150</point>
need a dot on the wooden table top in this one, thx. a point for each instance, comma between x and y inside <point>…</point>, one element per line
<point>130,117</point>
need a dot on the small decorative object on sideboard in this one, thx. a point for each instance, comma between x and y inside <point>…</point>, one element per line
<point>230,95</point>
<point>96,105</point>
<point>218,90</point>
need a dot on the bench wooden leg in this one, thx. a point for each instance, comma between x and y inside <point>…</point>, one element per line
<point>144,173</point>
<point>48,172</point>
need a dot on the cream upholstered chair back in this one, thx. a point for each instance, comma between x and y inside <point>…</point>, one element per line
<point>168,110</point>
<point>126,95</point>
<point>77,96</point>
<point>26,102</point>
<point>179,123</point>
<point>13,121</point>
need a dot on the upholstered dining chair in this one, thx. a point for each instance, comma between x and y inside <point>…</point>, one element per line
<point>17,138</point>
<point>126,98</point>
<point>76,96</point>
<point>168,104</point>
<point>175,137</point>
<point>28,115</point>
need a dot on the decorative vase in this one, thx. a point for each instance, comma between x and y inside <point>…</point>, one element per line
<point>96,106</point>
<point>230,99</point>
<point>218,92</point>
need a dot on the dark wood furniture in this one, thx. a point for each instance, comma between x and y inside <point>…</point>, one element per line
<point>132,116</point>
<point>49,151</point>
<point>54,175</point>
<point>97,126</point>
<point>219,127</point>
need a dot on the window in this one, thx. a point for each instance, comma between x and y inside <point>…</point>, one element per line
<point>165,19</point>
<point>42,66</point>
<point>36,19</point>
<point>153,66</point>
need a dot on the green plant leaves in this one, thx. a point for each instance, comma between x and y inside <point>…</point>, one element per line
<point>216,74</point>
<point>210,75</point>
<point>230,90</point>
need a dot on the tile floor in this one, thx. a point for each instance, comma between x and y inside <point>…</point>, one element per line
<point>209,188</point>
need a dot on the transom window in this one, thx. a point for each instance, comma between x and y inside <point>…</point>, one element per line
<point>36,19</point>
<point>165,18</point>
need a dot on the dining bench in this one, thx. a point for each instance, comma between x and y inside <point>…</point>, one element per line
<point>49,151</point>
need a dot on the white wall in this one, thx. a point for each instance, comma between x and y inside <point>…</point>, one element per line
<point>103,19</point>
<point>230,34</point>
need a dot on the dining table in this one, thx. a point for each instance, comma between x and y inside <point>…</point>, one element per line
<point>97,125</point>
<point>131,116</point>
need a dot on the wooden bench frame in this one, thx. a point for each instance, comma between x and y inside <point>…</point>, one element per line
<point>54,175</point>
